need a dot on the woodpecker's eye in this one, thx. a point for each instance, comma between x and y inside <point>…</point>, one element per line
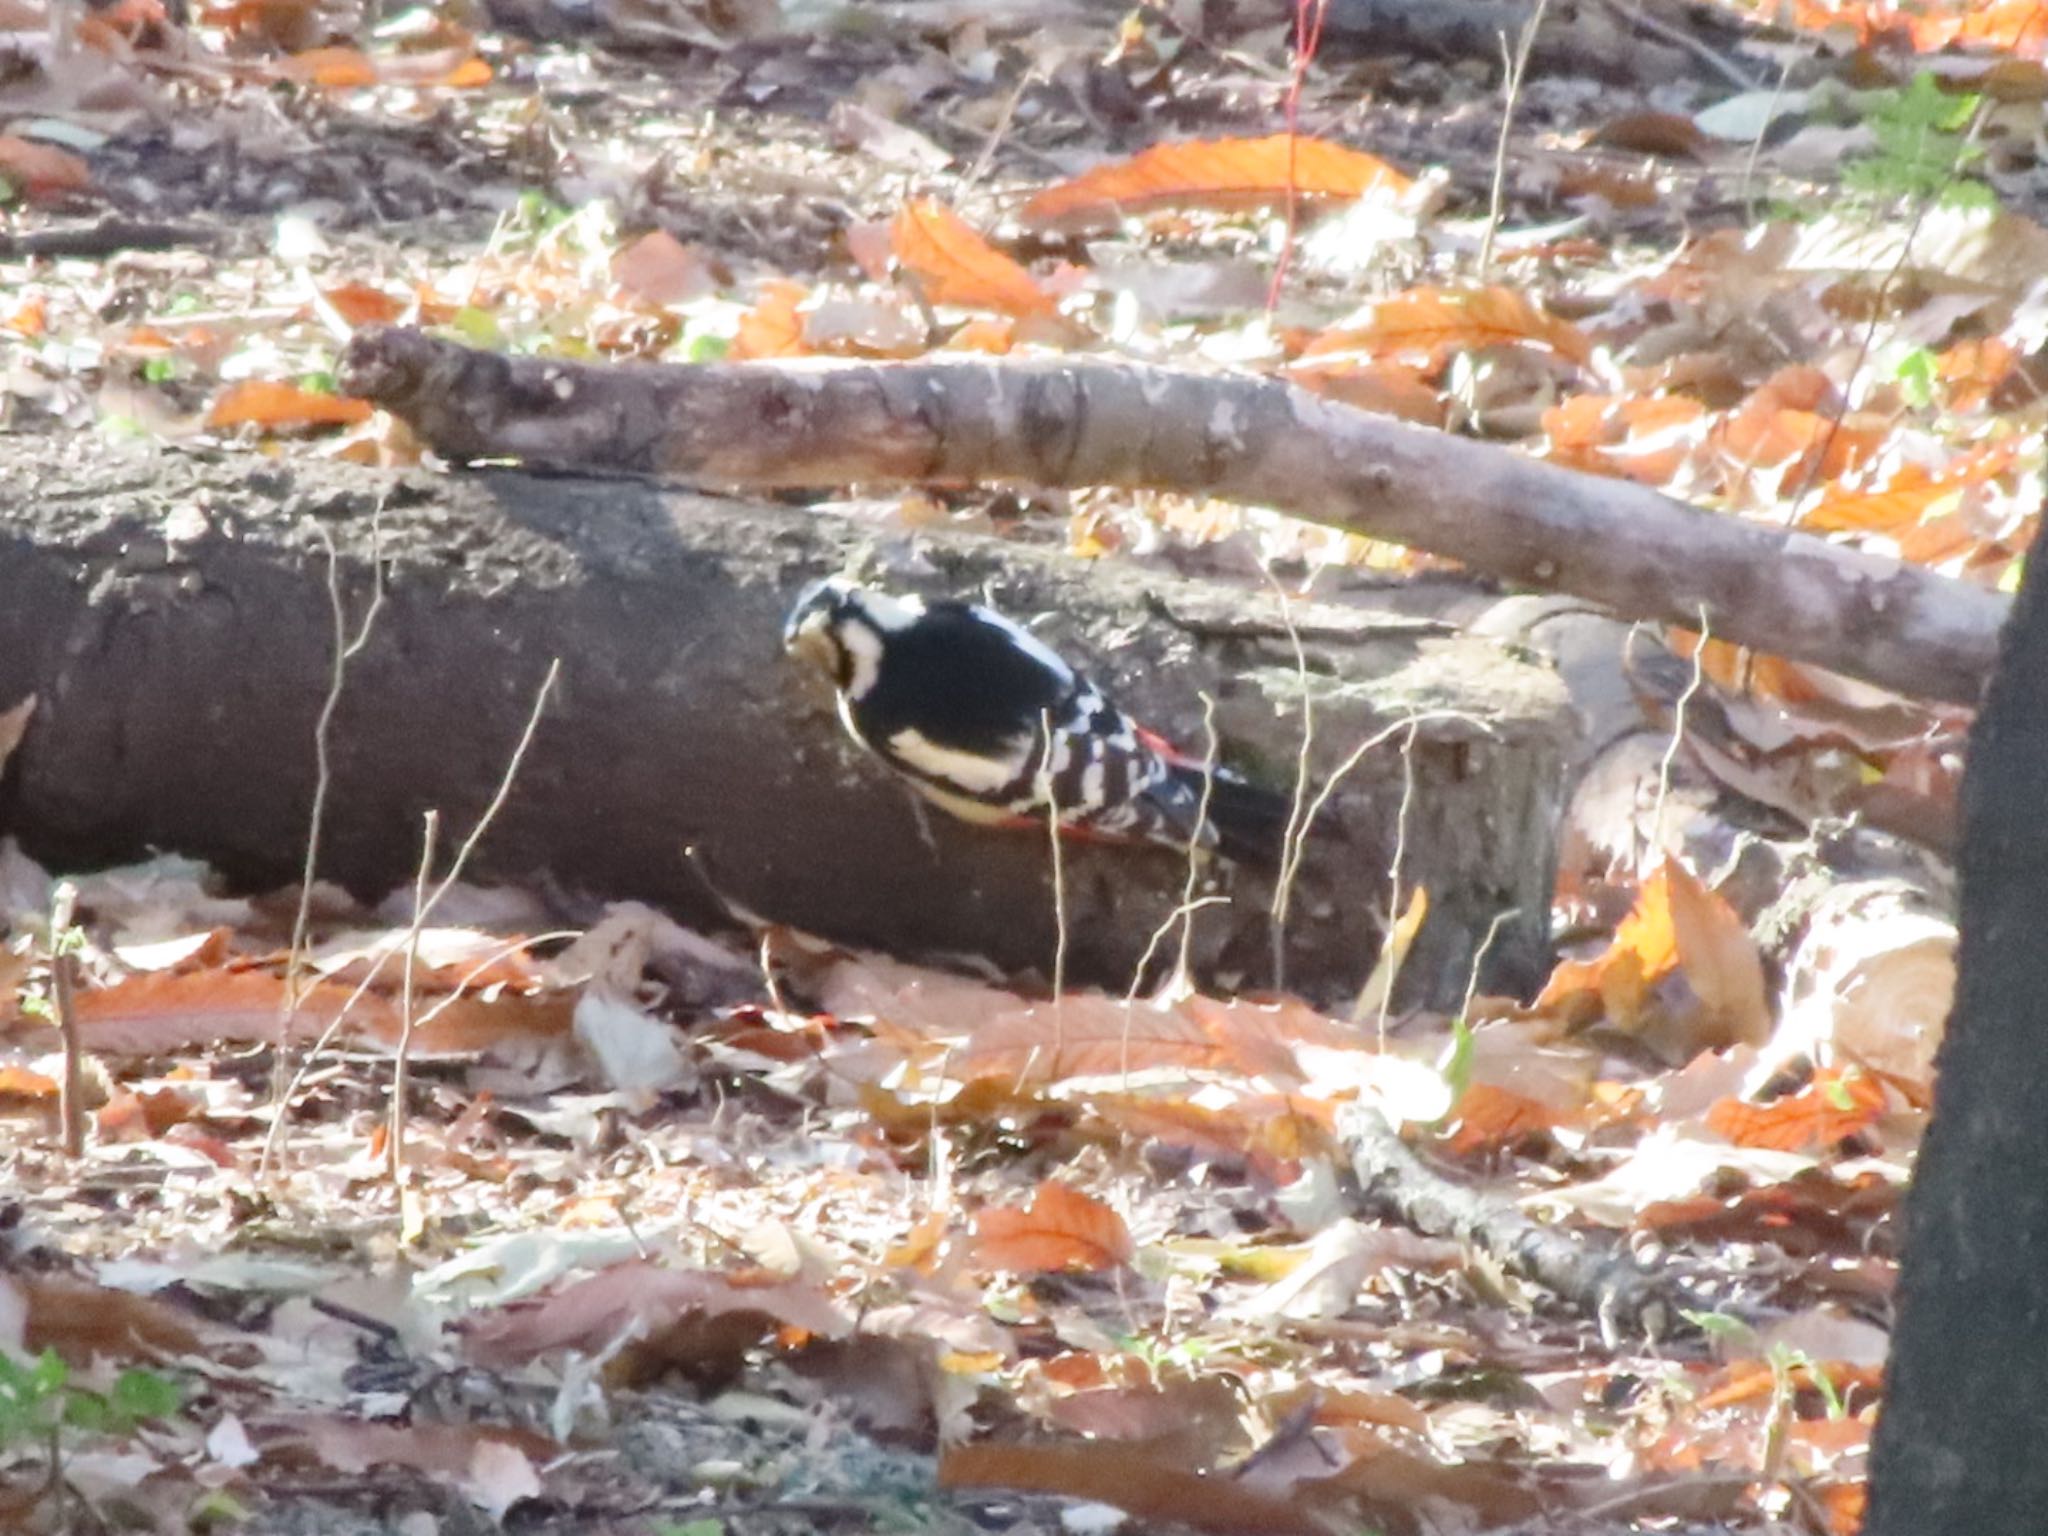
<point>813,639</point>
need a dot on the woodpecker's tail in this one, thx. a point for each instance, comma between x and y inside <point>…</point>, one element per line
<point>1249,822</point>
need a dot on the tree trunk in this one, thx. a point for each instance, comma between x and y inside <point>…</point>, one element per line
<point>179,684</point>
<point>1958,1445</point>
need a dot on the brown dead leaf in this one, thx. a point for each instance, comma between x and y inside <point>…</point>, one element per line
<point>957,266</point>
<point>82,1320</point>
<point>1064,1228</point>
<point>1430,324</point>
<point>41,170</point>
<point>275,406</point>
<point>1670,134</point>
<point>659,269</point>
<point>1396,1485</point>
<point>591,1315</point>
<point>160,1013</point>
<point>1214,173</point>
<point>1151,1487</point>
<point>1196,1419</point>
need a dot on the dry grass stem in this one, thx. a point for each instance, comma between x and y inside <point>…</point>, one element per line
<point>63,1000</point>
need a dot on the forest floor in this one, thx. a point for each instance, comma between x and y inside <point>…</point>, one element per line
<point>741,1232</point>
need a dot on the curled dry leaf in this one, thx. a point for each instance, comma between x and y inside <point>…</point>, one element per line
<point>1678,928</point>
<point>1063,1229</point>
<point>1430,324</point>
<point>957,266</point>
<point>274,406</point>
<point>593,1314</point>
<point>1215,173</point>
<point>41,170</point>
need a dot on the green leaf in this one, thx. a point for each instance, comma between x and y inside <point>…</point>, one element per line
<point>147,1395</point>
<point>478,327</point>
<point>89,1411</point>
<point>1455,1066</point>
<point>1916,375</point>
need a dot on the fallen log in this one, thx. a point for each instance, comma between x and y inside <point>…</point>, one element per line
<point>171,613</point>
<point>1260,441</point>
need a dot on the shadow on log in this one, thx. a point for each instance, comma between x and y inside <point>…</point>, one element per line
<point>179,684</point>
<point>1958,1445</point>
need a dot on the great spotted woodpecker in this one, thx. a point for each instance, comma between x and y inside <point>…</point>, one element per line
<point>963,703</point>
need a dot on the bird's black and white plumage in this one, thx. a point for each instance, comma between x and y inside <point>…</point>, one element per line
<point>963,703</point>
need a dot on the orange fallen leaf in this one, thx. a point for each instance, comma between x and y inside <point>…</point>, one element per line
<point>1214,173</point>
<point>1677,925</point>
<point>341,68</point>
<point>41,169</point>
<point>773,327</point>
<point>957,266</point>
<point>1431,323</point>
<point>1834,1106</point>
<point>362,304</point>
<point>24,1083</point>
<point>273,405</point>
<point>1063,1229</point>
<point>31,317</point>
<point>1489,1117</point>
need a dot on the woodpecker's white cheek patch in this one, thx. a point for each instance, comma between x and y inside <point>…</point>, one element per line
<point>864,650</point>
<point>968,771</point>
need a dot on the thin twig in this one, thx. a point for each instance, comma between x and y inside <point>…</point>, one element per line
<point>63,996</point>
<point>1183,967</point>
<point>423,909</point>
<point>1294,840</point>
<point>1670,758</point>
<point>1743,188</point>
<point>401,1069</point>
<point>1391,947</point>
<point>1002,127</point>
<point>345,650</point>
<point>1514,68</point>
<point>1500,921</point>
<point>1049,792</point>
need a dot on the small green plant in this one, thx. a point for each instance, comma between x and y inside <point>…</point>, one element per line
<point>37,1399</point>
<point>1924,153</point>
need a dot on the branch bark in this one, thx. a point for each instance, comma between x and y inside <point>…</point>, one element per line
<point>1259,441</point>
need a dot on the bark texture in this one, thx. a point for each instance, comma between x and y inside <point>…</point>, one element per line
<point>1958,1446</point>
<point>1260,441</point>
<point>179,685</point>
